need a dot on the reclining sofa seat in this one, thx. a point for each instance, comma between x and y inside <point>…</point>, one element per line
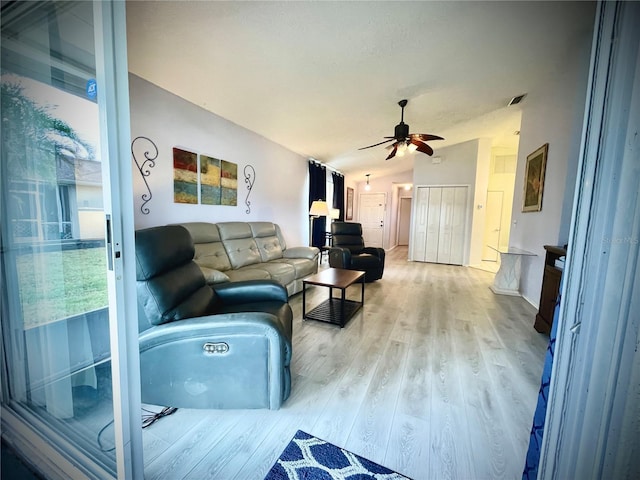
<point>348,251</point>
<point>203,347</point>
<point>237,251</point>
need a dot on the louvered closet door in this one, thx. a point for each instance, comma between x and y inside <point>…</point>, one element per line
<point>434,209</point>
<point>439,224</point>
<point>420,224</point>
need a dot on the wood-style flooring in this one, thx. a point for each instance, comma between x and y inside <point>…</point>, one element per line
<point>436,378</point>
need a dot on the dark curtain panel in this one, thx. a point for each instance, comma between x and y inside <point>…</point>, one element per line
<point>338,193</point>
<point>317,191</point>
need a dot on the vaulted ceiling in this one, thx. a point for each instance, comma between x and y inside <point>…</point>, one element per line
<point>324,78</point>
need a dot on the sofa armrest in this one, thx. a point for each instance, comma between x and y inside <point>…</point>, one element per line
<point>378,252</point>
<point>213,276</point>
<point>235,360</point>
<point>248,291</point>
<point>301,252</point>
<point>214,326</point>
<point>339,257</point>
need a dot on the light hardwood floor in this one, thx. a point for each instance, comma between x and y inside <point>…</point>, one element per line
<point>436,378</point>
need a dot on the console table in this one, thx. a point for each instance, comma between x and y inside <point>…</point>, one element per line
<point>333,310</point>
<point>507,279</point>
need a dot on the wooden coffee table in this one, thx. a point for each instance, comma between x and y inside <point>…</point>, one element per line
<point>333,310</point>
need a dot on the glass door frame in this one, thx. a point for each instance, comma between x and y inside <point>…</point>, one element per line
<point>30,436</point>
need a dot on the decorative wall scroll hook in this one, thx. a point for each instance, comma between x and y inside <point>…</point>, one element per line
<point>144,169</point>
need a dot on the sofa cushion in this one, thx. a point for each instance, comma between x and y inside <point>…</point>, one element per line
<point>239,244</point>
<point>213,276</point>
<point>268,243</point>
<point>302,266</point>
<point>248,273</point>
<point>242,252</point>
<point>283,273</point>
<point>269,248</point>
<point>209,250</point>
<point>212,255</point>
<point>202,232</point>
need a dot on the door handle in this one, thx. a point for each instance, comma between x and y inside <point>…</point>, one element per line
<point>109,243</point>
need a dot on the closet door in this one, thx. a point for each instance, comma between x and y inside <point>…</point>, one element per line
<point>459,213</point>
<point>439,230</point>
<point>434,208</point>
<point>420,224</point>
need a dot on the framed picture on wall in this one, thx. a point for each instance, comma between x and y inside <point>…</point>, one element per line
<point>348,214</point>
<point>534,179</point>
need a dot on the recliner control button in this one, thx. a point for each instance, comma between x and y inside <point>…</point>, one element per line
<point>213,348</point>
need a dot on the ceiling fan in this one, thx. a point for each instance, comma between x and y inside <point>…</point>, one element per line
<point>403,140</point>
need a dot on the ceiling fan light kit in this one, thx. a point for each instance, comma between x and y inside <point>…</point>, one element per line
<point>405,141</point>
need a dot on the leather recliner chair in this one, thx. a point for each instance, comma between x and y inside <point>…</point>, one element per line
<point>348,251</point>
<point>201,347</point>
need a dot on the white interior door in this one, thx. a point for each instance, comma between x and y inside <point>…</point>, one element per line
<point>371,216</point>
<point>493,225</point>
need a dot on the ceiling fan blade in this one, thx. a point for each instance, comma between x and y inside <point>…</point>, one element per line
<point>375,145</point>
<point>393,152</point>
<point>422,147</point>
<point>425,137</point>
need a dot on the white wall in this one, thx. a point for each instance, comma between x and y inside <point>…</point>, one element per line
<point>551,114</point>
<point>280,189</point>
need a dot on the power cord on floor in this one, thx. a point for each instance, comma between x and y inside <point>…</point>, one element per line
<point>148,418</point>
<point>151,417</point>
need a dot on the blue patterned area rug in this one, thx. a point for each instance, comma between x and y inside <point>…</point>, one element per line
<point>309,458</point>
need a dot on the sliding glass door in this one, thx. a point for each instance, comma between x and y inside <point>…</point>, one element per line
<point>56,298</point>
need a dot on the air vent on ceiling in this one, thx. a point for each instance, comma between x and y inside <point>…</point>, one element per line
<point>516,100</point>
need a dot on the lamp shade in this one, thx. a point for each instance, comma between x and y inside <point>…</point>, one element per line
<point>319,208</point>
<point>335,213</point>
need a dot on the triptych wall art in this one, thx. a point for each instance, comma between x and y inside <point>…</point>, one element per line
<point>218,179</point>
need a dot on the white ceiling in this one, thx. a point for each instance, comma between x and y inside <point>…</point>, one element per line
<point>324,78</point>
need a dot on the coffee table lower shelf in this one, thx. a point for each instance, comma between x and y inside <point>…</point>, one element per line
<point>331,311</point>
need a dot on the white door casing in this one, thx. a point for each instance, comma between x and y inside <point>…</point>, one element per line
<point>492,228</point>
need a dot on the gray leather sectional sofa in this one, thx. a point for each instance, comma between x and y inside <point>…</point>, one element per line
<point>236,251</point>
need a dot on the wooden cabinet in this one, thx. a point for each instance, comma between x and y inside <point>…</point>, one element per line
<point>550,289</point>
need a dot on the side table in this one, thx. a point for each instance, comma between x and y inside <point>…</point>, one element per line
<point>333,310</point>
<point>507,279</point>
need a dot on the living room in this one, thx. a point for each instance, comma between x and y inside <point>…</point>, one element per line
<point>279,192</point>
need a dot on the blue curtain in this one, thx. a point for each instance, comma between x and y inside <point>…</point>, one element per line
<point>537,429</point>
<point>317,191</point>
<point>338,193</point>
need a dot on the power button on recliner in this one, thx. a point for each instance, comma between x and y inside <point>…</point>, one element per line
<point>213,348</point>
